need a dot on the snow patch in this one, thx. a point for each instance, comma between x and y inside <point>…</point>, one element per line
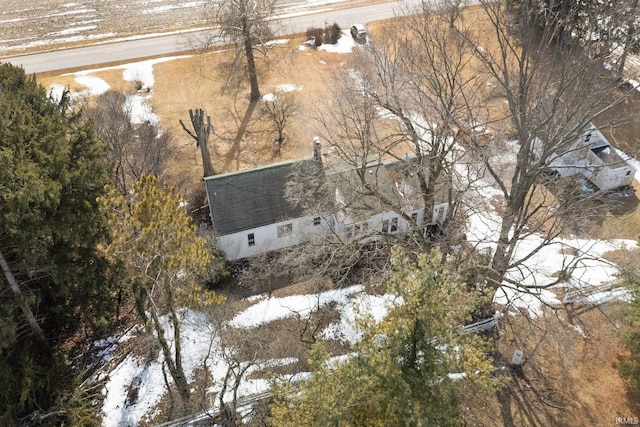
<point>296,305</point>
<point>140,111</point>
<point>277,42</point>
<point>372,306</point>
<point>269,97</point>
<point>531,300</point>
<point>135,386</point>
<point>143,71</point>
<point>73,30</point>
<point>345,44</point>
<point>288,87</point>
<point>56,91</point>
<point>94,85</point>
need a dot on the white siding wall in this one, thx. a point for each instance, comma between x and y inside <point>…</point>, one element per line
<point>609,178</point>
<point>236,246</point>
<point>440,212</point>
<point>388,222</point>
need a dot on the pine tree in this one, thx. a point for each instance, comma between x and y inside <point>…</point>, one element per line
<point>399,372</point>
<point>165,259</point>
<point>52,169</point>
<point>630,367</point>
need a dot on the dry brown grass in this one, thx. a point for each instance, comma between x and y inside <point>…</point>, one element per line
<point>570,376</point>
<point>194,82</point>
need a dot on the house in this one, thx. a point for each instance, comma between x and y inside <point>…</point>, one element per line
<point>251,214</point>
<point>380,197</point>
<point>272,207</point>
<point>592,156</point>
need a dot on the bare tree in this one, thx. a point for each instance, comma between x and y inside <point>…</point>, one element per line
<point>609,29</point>
<point>452,9</point>
<point>150,151</point>
<point>551,95</point>
<point>136,149</point>
<point>280,111</point>
<point>407,97</point>
<point>247,25</point>
<point>201,136</point>
<point>113,126</point>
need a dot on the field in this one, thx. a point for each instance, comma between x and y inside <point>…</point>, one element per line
<point>52,24</point>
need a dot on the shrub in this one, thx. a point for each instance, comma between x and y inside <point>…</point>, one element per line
<point>333,34</point>
<point>315,34</point>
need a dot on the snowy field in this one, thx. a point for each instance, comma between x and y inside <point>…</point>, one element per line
<point>202,345</point>
<point>41,24</point>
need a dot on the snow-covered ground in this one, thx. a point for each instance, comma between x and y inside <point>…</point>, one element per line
<point>137,105</point>
<point>345,44</point>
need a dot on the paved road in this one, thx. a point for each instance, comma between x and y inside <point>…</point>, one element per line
<point>175,43</point>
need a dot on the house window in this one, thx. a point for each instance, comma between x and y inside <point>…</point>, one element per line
<point>394,225</point>
<point>439,214</point>
<point>385,226</point>
<point>252,239</point>
<point>414,217</point>
<point>285,230</point>
<point>356,229</point>
<point>628,173</point>
<point>316,220</point>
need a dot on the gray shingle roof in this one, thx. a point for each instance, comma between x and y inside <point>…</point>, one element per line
<point>393,180</point>
<point>253,198</point>
<point>247,199</point>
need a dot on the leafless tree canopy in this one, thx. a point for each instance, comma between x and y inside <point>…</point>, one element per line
<point>280,112</point>
<point>408,94</point>
<point>135,149</point>
<point>246,24</point>
<point>551,94</point>
<point>458,99</point>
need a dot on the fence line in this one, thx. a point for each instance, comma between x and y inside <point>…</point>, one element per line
<point>482,325</point>
<point>582,294</point>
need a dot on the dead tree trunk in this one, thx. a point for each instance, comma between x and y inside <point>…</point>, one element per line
<point>201,137</point>
<point>24,306</point>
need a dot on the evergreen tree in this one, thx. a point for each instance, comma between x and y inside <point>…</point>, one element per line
<point>399,372</point>
<point>155,239</point>
<point>52,169</point>
<point>630,368</point>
